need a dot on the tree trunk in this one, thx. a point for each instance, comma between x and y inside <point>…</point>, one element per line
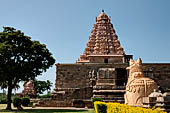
<point>9,95</point>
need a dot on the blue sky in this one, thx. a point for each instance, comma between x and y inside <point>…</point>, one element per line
<point>143,26</point>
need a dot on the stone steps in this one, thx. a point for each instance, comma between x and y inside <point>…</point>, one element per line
<point>110,95</point>
<point>53,103</point>
<point>112,91</point>
<point>113,99</point>
<point>108,86</point>
<point>117,101</point>
<point>105,81</point>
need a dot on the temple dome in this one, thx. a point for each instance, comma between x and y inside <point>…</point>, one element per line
<point>102,16</point>
<point>29,84</point>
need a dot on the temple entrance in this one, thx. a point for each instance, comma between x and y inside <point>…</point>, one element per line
<point>106,60</point>
<point>121,76</point>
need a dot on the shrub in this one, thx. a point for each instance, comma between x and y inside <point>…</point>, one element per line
<point>121,108</point>
<point>102,108</point>
<point>3,98</point>
<point>25,101</point>
<point>30,104</point>
<point>96,99</point>
<point>16,102</point>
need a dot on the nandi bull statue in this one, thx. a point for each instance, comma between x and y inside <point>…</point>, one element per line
<point>138,86</point>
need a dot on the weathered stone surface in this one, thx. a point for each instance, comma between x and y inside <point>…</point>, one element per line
<point>103,45</point>
<point>156,71</point>
<point>138,86</point>
<point>159,72</point>
<point>106,87</point>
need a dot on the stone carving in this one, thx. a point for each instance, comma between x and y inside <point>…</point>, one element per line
<point>103,39</point>
<point>138,86</point>
<point>158,100</point>
<point>92,78</point>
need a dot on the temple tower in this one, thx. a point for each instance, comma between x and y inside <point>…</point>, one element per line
<point>103,45</point>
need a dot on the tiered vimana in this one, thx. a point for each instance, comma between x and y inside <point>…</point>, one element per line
<point>103,45</point>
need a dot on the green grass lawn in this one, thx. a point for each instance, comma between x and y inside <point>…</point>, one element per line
<point>30,110</point>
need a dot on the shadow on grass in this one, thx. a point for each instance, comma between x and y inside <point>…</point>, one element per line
<point>43,111</point>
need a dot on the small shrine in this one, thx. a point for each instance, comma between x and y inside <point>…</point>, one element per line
<point>29,90</point>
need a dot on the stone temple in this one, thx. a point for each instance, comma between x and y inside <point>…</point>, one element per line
<point>100,71</point>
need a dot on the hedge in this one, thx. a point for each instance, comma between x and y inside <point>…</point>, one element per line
<point>102,107</point>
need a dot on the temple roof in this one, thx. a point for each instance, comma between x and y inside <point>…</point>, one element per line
<point>103,39</point>
<point>29,84</point>
<point>102,16</point>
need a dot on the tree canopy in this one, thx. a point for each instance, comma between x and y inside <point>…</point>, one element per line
<point>21,59</point>
<point>41,86</point>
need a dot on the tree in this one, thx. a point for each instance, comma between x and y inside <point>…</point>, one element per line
<point>21,59</point>
<point>41,86</point>
<point>4,85</point>
<point>48,86</point>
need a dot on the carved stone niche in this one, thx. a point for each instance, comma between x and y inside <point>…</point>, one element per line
<point>92,78</point>
<point>106,76</point>
<point>107,73</point>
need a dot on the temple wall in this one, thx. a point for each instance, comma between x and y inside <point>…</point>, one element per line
<point>77,75</point>
<point>116,59</point>
<point>73,86</point>
<point>72,76</point>
<point>98,59</point>
<point>159,72</point>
